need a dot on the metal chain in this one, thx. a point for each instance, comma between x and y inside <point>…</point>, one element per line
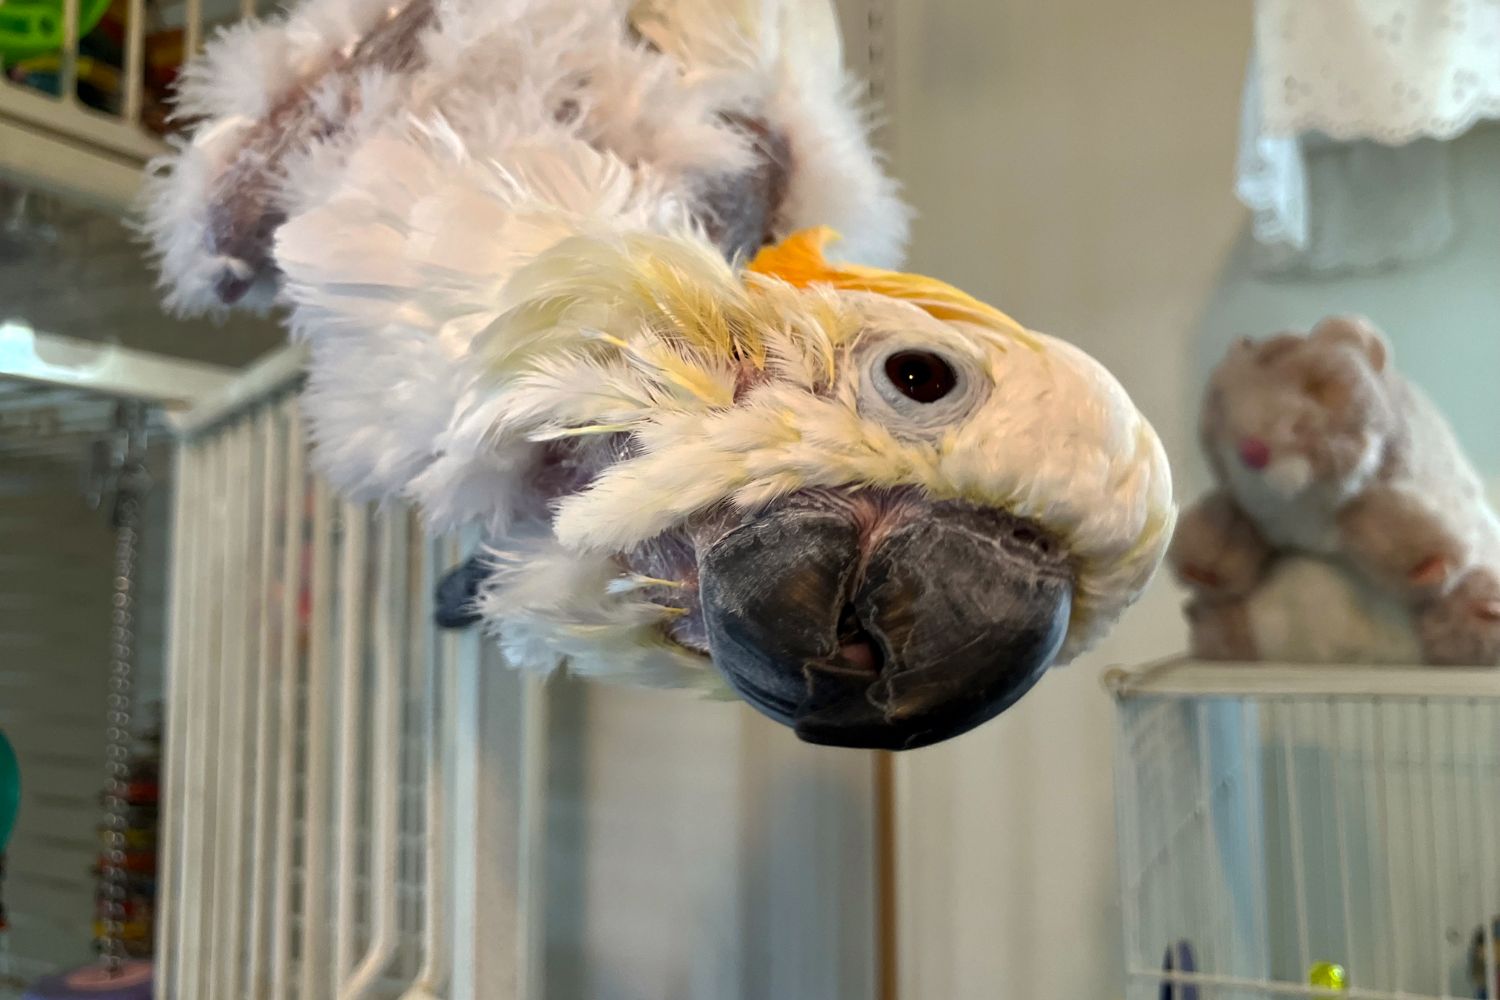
<point>131,483</point>
<point>878,72</point>
<point>875,28</point>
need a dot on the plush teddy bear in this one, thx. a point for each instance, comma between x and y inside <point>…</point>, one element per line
<point>1344,505</point>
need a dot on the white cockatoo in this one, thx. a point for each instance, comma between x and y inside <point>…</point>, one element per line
<point>564,270</point>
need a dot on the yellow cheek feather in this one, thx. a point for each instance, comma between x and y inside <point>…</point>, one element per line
<point>730,385</point>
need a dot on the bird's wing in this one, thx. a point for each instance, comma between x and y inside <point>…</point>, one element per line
<point>394,275</point>
<point>815,116</point>
<point>384,169</point>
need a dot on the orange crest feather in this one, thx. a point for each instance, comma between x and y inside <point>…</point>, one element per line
<point>798,260</point>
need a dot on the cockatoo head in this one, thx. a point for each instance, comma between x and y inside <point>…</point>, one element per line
<point>880,507</point>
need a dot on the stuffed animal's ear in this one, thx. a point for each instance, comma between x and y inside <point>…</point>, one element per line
<point>1359,332</point>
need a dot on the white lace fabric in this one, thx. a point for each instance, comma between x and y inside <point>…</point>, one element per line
<point>1343,107</point>
<point>1387,70</point>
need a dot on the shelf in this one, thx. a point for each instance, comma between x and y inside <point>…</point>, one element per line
<point>1187,677</point>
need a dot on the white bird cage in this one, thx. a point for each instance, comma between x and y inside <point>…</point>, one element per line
<point>336,822</point>
<point>58,401</point>
<point>1276,817</point>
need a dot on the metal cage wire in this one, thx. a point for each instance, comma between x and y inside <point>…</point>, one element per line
<point>1274,819</point>
<point>270,682</point>
<point>325,770</point>
<point>53,685</point>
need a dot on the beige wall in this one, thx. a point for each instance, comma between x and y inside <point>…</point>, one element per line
<point>1072,161</point>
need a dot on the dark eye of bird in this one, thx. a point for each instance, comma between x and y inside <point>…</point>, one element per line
<point>920,375</point>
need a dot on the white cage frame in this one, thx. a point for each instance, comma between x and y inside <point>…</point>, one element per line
<point>425,886</point>
<point>434,879</point>
<point>75,382</point>
<point>1276,816</point>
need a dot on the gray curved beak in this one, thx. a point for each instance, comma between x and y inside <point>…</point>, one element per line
<point>917,637</point>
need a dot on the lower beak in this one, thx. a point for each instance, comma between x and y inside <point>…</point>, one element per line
<point>944,624</point>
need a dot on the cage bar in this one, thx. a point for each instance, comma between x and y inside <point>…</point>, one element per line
<point>1342,822</point>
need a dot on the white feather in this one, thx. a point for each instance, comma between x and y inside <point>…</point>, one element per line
<point>496,250</point>
<point>546,606</point>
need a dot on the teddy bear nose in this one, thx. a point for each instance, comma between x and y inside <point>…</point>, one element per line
<point>1255,453</point>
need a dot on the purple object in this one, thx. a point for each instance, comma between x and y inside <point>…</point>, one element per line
<point>131,982</point>
<point>1179,958</point>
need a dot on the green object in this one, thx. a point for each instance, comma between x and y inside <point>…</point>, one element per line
<point>10,791</point>
<point>1327,975</point>
<point>35,27</point>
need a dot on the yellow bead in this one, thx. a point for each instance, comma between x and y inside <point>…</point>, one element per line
<point>1326,974</point>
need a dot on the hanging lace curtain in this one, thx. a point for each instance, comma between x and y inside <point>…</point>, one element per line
<point>1347,107</point>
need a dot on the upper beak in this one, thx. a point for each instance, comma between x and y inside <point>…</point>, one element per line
<point>942,624</point>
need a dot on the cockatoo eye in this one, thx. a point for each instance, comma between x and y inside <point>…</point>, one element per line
<point>915,391</point>
<point>921,375</point>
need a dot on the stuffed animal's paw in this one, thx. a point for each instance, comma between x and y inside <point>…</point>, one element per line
<point>1430,574</point>
<point>1217,551</point>
<point>1463,626</point>
<point>1403,543</point>
<point>1220,630</point>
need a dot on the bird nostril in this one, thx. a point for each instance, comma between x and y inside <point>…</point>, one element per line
<point>1255,453</point>
<point>1032,539</point>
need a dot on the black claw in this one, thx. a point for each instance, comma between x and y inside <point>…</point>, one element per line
<point>455,594</point>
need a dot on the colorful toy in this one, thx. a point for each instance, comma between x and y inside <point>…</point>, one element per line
<point>1479,965</point>
<point>10,808</point>
<point>131,792</point>
<point>604,322</point>
<point>35,27</point>
<point>1345,512</point>
<point>10,790</point>
<point>1179,958</point>
<point>1327,975</point>
<point>31,55</point>
<point>98,81</point>
<point>137,841</point>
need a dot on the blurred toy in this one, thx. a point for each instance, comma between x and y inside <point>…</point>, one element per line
<point>1326,456</point>
<point>139,856</point>
<point>1327,975</point>
<point>1179,958</point>
<point>10,790</point>
<point>1479,965</point>
<point>31,54</point>
<point>10,807</point>
<point>35,27</point>
<point>99,82</point>
<point>131,792</point>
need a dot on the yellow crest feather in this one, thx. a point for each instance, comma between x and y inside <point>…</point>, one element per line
<point>798,260</point>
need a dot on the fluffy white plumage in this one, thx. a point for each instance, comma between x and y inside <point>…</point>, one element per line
<point>504,248</point>
<point>498,72</point>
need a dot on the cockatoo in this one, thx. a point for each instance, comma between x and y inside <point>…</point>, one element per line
<point>567,272</point>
